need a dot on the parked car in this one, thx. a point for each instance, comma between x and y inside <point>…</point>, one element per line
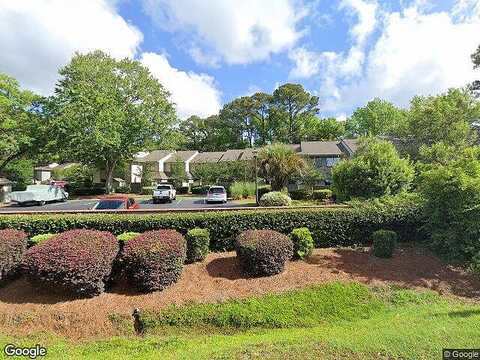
<point>116,203</point>
<point>216,194</point>
<point>164,192</point>
<point>39,194</point>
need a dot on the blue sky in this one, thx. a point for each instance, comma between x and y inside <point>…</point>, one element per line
<point>207,52</point>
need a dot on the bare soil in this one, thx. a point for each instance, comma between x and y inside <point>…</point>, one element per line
<point>24,309</point>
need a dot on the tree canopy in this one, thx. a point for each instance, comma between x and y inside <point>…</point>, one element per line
<point>107,110</point>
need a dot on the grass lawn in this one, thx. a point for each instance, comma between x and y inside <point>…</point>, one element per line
<point>330,321</point>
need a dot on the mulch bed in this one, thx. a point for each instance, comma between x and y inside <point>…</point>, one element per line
<point>24,309</point>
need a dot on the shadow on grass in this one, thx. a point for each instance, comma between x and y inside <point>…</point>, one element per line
<point>408,267</point>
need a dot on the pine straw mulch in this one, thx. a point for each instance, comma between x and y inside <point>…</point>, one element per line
<point>24,310</point>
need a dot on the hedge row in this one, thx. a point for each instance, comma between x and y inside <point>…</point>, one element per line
<point>344,226</point>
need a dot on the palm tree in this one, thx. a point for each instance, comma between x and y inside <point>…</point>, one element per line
<point>278,164</point>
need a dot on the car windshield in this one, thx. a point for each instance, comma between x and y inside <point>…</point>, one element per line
<point>163,187</point>
<point>217,190</point>
<point>112,204</point>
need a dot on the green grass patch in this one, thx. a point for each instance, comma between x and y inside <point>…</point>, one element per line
<point>332,321</point>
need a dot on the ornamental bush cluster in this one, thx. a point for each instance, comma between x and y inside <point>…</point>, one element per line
<point>263,252</point>
<point>77,261</point>
<point>384,243</point>
<point>13,244</point>
<point>198,242</point>
<point>275,198</point>
<point>154,260</point>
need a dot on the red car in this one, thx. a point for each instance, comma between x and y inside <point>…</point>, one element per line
<point>116,203</point>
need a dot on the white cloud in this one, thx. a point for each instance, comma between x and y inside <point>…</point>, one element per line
<point>238,31</point>
<point>366,14</point>
<point>37,37</point>
<point>194,94</point>
<point>416,53</point>
<point>309,63</point>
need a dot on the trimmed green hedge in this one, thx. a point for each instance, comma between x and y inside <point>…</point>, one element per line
<point>344,226</point>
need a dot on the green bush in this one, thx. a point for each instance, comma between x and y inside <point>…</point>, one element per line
<point>336,226</point>
<point>200,189</point>
<point>275,198</point>
<point>384,243</point>
<point>147,190</point>
<point>198,243</point>
<point>263,252</point>
<point>301,194</point>
<point>303,243</point>
<point>127,236</point>
<point>475,264</point>
<point>38,239</point>
<point>262,190</point>
<point>323,194</point>
<point>122,190</point>
<point>241,189</point>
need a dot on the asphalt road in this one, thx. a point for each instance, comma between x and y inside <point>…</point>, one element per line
<point>180,203</point>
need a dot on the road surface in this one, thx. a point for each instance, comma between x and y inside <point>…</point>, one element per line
<point>180,203</point>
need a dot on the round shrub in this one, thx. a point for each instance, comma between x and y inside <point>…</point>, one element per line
<point>384,243</point>
<point>154,260</point>
<point>302,242</point>
<point>198,243</point>
<point>77,261</point>
<point>13,244</point>
<point>323,194</point>
<point>301,194</point>
<point>37,239</point>
<point>263,252</point>
<point>275,198</point>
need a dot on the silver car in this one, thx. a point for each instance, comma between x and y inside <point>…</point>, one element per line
<point>216,194</point>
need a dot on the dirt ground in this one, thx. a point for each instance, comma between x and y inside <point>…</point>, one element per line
<point>24,310</point>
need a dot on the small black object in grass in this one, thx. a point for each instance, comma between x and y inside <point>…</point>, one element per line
<point>138,324</point>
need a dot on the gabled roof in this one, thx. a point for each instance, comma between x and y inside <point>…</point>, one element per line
<point>154,156</point>
<point>208,157</point>
<point>232,155</point>
<point>312,148</point>
<point>352,144</point>
<point>181,156</point>
<point>247,154</point>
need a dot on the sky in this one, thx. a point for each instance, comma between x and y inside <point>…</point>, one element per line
<point>208,52</point>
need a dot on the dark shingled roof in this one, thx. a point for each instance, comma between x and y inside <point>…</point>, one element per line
<point>320,148</point>
<point>181,156</point>
<point>232,155</point>
<point>208,157</point>
<point>154,156</point>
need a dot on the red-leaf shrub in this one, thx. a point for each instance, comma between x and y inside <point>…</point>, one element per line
<point>263,252</point>
<point>13,244</point>
<point>77,261</point>
<point>154,260</point>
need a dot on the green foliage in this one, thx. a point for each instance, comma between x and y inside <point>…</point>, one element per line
<point>452,194</point>
<point>300,194</point>
<point>198,243</point>
<point>292,107</point>
<point>303,243</point>
<point>476,58</point>
<point>225,172</point>
<point>124,107</point>
<point>275,198</point>
<point>24,133</point>
<point>322,194</point>
<point>278,164</point>
<point>241,189</point>
<point>127,236</point>
<point>177,173</point>
<point>38,239</point>
<point>263,252</point>
<point>325,129</point>
<point>332,302</point>
<point>20,172</point>
<point>443,118</point>
<point>344,226</point>
<point>77,175</point>
<point>378,117</point>
<point>384,243</point>
<point>375,170</point>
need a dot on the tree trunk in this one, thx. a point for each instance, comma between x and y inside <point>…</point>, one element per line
<point>109,168</point>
